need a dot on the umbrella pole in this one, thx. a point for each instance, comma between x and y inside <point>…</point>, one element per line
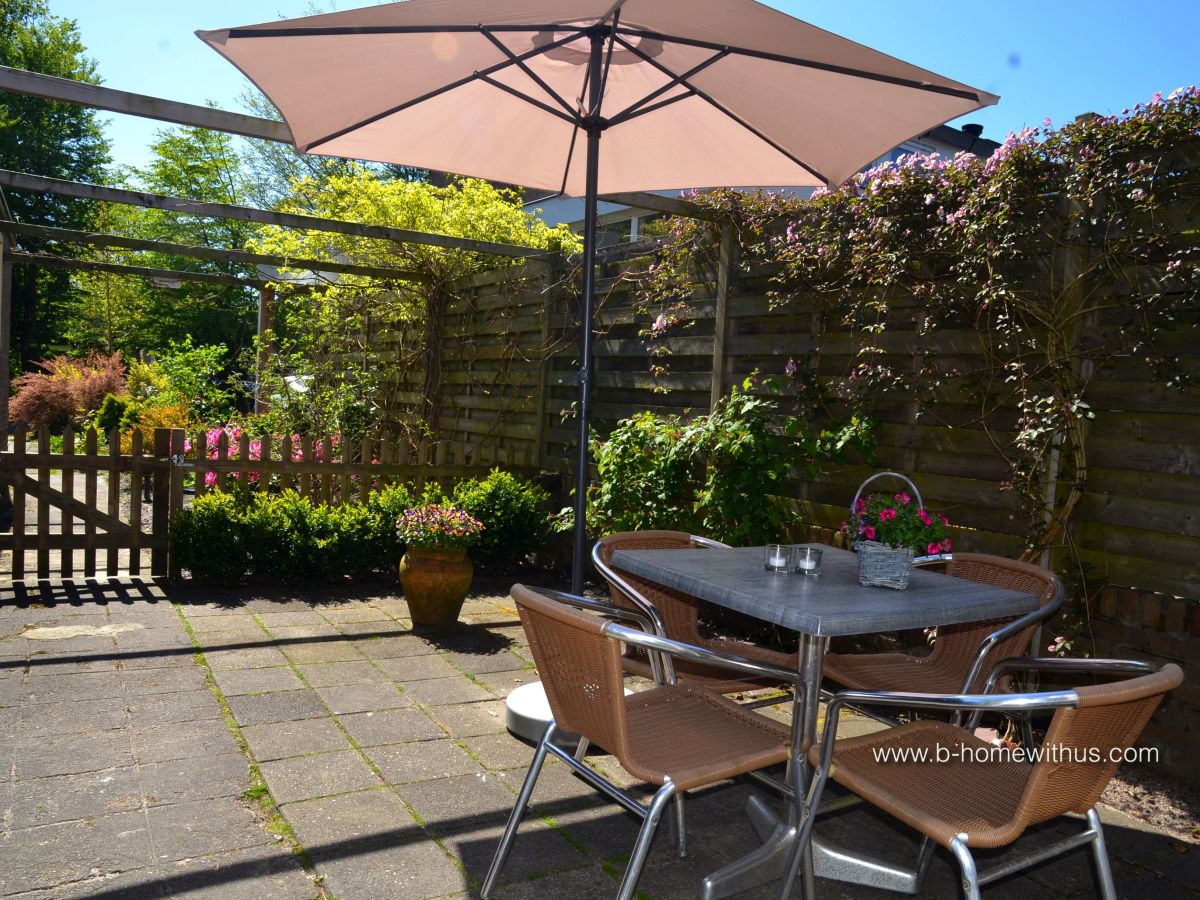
<point>583,413</point>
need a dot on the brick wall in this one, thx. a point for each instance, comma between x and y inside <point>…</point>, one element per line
<point>1134,624</point>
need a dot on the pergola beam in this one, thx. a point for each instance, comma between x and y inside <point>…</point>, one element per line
<point>47,87</point>
<point>39,184</point>
<point>63,262</point>
<point>70,236</point>
<point>670,205</point>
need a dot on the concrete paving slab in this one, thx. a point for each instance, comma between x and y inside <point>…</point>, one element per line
<point>284,739</point>
<point>183,706</point>
<point>355,672</point>
<point>353,698</point>
<point>322,652</point>
<point>194,778</point>
<point>64,798</point>
<point>464,720</point>
<point>201,827</point>
<point>394,647</point>
<point>444,691</point>
<point>390,726</point>
<point>539,850</point>
<point>50,855</point>
<point>234,682</point>
<point>415,869</point>
<point>332,825</point>
<point>422,761</point>
<point>406,669</point>
<point>445,805</point>
<point>182,740</point>
<point>268,872</point>
<point>277,706</point>
<point>68,716</point>
<point>318,775</point>
<point>71,754</point>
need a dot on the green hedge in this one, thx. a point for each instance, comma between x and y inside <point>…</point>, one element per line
<point>222,537</point>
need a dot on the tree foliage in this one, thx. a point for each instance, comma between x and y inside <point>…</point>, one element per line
<point>340,347</point>
<point>59,140</point>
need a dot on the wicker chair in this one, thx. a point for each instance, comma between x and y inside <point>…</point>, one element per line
<point>679,737</point>
<point>676,615</point>
<point>980,798</point>
<point>962,654</point>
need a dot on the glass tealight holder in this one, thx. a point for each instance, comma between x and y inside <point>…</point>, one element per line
<point>806,560</point>
<point>777,558</point>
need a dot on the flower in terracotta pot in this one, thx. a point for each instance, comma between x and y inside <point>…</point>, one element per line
<point>436,571</point>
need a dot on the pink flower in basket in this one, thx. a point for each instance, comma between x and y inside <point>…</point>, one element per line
<point>886,515</point>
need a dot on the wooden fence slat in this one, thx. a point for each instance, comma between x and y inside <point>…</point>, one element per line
<point>89,498</point>
<point>159,511</point>
<point>365,484</point>
<point>306,455</point>
<point>243,454</point>
<point>173,485</point>
<point>113,481</point>
<point>327,475</point>
<point>264,453</point>
<point>286,482</point>
<point>135,506</point>
<point>66,563</point>
<point>18,526</point>
<point>43,504</point>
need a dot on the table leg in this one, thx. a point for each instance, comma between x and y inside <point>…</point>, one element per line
<point>768,861</point>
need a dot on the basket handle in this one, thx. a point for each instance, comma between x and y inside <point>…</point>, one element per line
<point>878,475</point>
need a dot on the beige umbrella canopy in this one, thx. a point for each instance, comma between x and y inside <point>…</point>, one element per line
<point>681,93</point>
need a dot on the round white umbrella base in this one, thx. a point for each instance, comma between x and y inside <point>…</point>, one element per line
<point>527,713</point>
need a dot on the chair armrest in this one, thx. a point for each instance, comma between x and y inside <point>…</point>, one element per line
<point>708,543</point>
<point>1054,664</point>
<point>648,609</point>
<point>608,610</point>
<point>653,642</point>
<point>1007,631</point>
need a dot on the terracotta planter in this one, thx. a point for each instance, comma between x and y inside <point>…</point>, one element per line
<point>435,584</point>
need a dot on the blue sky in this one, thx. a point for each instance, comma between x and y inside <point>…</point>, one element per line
<point>1054,58</point>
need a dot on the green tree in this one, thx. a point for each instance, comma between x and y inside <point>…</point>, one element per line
<point>59,140</point>
<point>131,314</point>
<point>333,338</point>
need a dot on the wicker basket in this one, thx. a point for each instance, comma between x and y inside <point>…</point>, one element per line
<point>878,564</point>
<point>882,566</point>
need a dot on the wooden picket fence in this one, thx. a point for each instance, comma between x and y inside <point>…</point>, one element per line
<point>108,511</point>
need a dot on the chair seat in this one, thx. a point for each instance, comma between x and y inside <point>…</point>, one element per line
<point>977,796</point>
<point>891,672</point>
<point>696,738</point>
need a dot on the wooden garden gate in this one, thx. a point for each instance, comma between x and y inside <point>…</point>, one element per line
<point>92,512</point>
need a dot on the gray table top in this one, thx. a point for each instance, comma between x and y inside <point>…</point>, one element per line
<point>832,603</point>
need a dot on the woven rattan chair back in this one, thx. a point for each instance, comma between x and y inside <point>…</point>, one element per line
<point>957,645</point>
<point>680,612</point>
<point>1108,717</point>
<point>580,669</point>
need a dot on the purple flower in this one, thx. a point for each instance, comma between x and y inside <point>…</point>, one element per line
<point>790,368</point>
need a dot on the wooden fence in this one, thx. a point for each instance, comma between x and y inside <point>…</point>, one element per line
<point>91,507</point>
<point>508,353</point>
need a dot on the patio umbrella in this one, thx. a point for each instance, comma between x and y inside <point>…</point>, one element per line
<point>680,94</point>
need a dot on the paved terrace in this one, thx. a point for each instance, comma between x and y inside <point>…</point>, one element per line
<point>199,744</point>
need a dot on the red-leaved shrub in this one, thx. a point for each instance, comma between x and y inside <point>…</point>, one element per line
<point>66,389</point>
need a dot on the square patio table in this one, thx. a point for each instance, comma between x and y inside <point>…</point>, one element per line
<point>817,607</point>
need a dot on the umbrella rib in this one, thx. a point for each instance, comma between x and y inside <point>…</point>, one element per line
<point>342,30</point>
<point>631,111</point>
<point>520,63</point>
<point>533,101</point>
<point>454,85</point>
<point>804,63</point>
<point>653,107</point>
<point>775,145</point>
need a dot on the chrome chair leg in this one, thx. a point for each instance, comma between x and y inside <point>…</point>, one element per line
<point>966,865</point>
<point>680,832</point>
<point>641,849</point>
<point>514,818</point>
<point>1108,890</point>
